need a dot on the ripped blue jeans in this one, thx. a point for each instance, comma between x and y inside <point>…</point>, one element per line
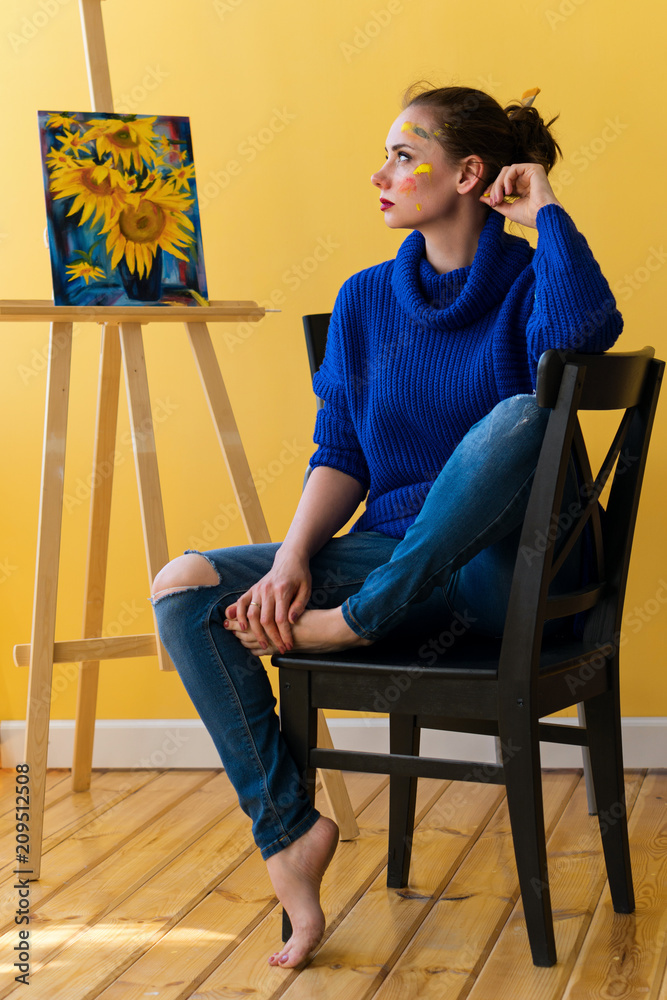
<point>452,570</point>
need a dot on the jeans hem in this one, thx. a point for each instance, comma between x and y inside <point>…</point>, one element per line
<point>290,836</point>
<point>352,622</point>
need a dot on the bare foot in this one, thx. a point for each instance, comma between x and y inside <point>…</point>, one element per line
<point>296,873</point>
<point>316,631</point>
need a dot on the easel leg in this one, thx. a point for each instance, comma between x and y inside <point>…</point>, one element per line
<point>98,547</point>
<point>255,525</point>
<point>46,583</point>
<point>333,784</point>
<point>145,459</point>
<point>247,500</point>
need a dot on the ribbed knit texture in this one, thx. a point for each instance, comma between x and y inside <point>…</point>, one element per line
<point>415,358</point>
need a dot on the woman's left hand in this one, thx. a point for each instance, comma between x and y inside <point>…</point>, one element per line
<point>527,183</point>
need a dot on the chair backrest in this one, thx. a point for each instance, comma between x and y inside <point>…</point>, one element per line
<point>316,327</point>
<point>569,383</point>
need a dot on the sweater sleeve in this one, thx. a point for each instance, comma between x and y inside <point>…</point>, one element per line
<point>574,308</point>
<point>335,433</point>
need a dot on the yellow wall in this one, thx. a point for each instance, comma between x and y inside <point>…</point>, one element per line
<point>319,84</point>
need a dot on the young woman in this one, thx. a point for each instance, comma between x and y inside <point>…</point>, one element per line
<point>429,413</point>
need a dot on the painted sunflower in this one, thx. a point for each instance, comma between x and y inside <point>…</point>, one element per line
<point>150,219</point>
<point>83,269</point>
<point>70,141</point>
<point>57,160</point>
<point>181,176</point>
<point>130,142</point>
<point>62,120</point>
<point>98,190</point>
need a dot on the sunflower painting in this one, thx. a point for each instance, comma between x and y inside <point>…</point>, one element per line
<point>121,204</point>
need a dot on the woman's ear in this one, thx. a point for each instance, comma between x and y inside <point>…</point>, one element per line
<point>472,170</point>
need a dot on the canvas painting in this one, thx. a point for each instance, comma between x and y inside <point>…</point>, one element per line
<point>122,212</point>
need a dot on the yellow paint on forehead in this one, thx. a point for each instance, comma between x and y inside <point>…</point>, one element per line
<point>417,129</point>
<point>424,168</point>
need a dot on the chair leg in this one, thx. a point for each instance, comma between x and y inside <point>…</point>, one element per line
<point>404,737</point>
<point>523,781</point>
<point>298,724</point>
<point>586,759</point>
<point>603,722</point>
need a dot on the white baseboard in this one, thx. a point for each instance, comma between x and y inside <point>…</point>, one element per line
<point>155,743</point>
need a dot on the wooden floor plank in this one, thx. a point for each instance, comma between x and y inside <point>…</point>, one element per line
<point>203,939</point>
<point>624,955</point>
<point>78,855</point>
<point>355,959</point>
<point>662,994</point>
<point>576,877</point>
<point>54,777</point>
<point>455,939</point>
<point>354,868</point>
<point>72,811</point>
<point>89,922</point>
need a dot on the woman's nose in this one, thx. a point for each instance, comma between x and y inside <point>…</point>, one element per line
<point>378,178</point>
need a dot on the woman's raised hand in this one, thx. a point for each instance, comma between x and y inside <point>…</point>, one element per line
<point>269,609</point>
<point>528,184</point>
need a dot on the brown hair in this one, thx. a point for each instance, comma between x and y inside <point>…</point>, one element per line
<point>468,121</point>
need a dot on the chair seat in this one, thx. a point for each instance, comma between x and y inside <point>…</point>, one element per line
<point>474,656</point>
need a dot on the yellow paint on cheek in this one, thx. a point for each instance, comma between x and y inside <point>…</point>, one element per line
<point>419,208</point>
<point>424,168</point>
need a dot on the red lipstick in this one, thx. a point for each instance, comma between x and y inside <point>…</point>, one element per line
<point>385,204</point>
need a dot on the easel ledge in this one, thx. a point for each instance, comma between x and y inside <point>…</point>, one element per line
<point>219,311</point>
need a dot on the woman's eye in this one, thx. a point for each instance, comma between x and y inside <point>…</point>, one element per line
<point>402,155</point>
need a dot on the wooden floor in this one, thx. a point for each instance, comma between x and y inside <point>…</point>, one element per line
<point>151,887</point>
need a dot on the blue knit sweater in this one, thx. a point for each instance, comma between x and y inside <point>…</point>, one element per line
<point>415,358</point>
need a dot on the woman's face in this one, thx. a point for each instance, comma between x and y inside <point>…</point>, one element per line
<point>418,185</point>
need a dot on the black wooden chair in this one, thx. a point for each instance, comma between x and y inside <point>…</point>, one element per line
<point>504,687</point>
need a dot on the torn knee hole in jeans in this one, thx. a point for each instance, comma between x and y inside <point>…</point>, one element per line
<point>168,591</point>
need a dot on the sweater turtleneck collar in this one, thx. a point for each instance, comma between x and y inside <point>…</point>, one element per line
<point>458,298</point>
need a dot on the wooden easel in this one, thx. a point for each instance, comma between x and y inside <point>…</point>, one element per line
<point>122,341</point>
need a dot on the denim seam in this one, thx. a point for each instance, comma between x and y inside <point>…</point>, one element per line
<point>374,635</point>
<point>337,586</point>
<point>448,604</point>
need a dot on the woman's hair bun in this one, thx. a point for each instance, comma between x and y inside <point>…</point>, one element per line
<point>534,142</point>
<point>467,121</point>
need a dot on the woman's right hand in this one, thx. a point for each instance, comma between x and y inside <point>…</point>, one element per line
<point>276,602</point>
